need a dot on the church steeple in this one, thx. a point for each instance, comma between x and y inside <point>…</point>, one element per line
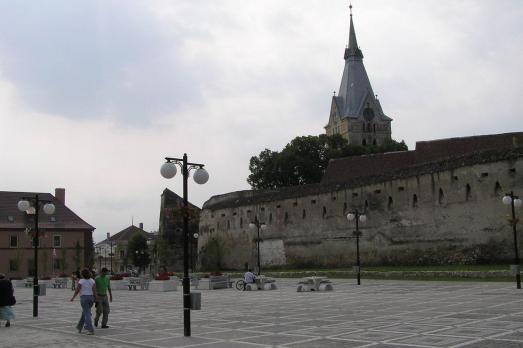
<point>352,49</point>
<point>356,113</point>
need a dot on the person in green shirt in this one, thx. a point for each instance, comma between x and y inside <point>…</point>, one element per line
<point>103,285</point>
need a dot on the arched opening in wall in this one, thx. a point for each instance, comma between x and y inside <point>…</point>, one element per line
<point>286,218</point>
<point>497,189</point>
<point>441,196</point>
<point>389,203</point>
<point>303,214</point>
<point>324,212</point>
<point>241,222</point>
<point>270,218</point>
<point>344,208</point>
<point>467,192</point>
<point>414,201</point>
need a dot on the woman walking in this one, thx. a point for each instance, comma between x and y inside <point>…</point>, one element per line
<point>87,290</point>
<point>7,300</point>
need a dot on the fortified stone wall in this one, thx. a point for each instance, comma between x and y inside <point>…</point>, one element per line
<point>446,211</point>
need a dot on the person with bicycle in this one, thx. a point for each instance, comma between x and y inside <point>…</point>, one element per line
<point>249,277</point>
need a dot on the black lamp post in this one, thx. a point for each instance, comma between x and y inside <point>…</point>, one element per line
<point>200,176</point>
<point>31,205</point>
<point>514,202</point>
<point>111,252</point>
<point>358,217</point>
<point>258,225</point>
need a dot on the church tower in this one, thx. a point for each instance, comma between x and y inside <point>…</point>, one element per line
<point>356,112</point>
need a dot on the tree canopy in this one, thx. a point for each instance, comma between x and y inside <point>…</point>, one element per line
<point>305,158</point>
<point>138,251</point>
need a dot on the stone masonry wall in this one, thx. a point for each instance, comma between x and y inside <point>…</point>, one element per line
<point>449,214</point>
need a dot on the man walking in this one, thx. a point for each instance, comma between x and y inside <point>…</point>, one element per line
<point>103,285</point>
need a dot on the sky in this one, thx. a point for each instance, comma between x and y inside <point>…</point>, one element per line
<point>94,94</point>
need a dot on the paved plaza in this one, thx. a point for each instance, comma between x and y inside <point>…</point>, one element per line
<point>378,314</point>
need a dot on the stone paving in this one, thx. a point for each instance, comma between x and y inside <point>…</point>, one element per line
<point>378,314</point>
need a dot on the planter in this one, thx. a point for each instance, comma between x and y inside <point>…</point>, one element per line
<point>18,283</point>
<point>119,284</point>
<point>214,282</point>
<point>163,285</point>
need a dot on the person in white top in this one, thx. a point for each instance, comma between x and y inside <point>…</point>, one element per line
<point>87,290</point>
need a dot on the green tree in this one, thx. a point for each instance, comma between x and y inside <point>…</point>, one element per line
<point>138,251</point>
<point>305,158</point>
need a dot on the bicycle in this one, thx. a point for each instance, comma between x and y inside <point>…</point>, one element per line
<point>240,285</point>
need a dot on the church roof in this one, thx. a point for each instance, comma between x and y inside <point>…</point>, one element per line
<point>355,89</point>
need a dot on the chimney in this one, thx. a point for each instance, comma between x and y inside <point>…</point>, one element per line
<point>59,194</point>
<point>141,225</point>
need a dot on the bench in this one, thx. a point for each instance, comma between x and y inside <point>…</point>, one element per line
<point>137,283</point>
<point>314,284</point>
<point>262,283</point>
<point>214,282</point>
<point>59,283</point>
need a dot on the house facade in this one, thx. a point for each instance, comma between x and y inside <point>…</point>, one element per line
<point>65,239</point>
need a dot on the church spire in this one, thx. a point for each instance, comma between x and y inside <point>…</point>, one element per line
<point>352,50</point>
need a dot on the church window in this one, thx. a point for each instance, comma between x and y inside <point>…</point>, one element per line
<point>467,192</point>
<point>390,202</point>
<point>441,196</point>
<point>414,201</point>
<point>497,189</point>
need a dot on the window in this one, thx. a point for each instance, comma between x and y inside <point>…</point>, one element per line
<point>441,196</point>
<point>467,192</point>
<point>344,207</point>
<point>57,241</point>
<point>241,222</point>
<point>13,266</point>
<point>33,242</point>
<point>13,241</point>
<point>324,212</point>
<point>286,219</point>
<point>497,189</point>
<point>303,214</point>
<point>414,201</point>
<point>122,254</point>
<point>56,264</point>
<point>389,204</point>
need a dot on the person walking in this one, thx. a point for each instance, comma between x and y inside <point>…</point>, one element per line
<point>7,299</point>
<point>103,286</point>
<point>87,290</point>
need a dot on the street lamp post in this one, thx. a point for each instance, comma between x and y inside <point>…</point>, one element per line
<point>514,202</point>
<point>31,205</point>
<point>111,252</point>
<point>258,225</point>
<point>358,217</point>
<point>200,176</point>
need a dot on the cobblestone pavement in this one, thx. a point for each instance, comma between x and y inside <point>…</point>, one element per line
<point>378,314</point>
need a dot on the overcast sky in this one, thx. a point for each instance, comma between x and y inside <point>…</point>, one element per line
<point>94,94</point>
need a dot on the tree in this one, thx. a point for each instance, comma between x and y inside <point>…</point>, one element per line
<point>305,158</point>
<point>138,250</point>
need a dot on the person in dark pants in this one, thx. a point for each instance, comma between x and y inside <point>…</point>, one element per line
<point>7,300</point>
<point>103,286</point>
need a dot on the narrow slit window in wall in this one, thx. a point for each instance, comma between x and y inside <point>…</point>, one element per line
<point>497,189</point>
<point>286,218</point>
<point>241,222</point>
<point>324,212</point>
<point>303,214</point>
<point>366,205</point>
<point>414,201</point>
<point>389,203</point>
<point>441,196</point>
<point>467,192</point>
<point>270,217</point>
<point>344,208</point>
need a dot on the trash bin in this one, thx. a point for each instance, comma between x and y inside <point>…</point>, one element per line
<point>42,289</point>
<point>196,300</point>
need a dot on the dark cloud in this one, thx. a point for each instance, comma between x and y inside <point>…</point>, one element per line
<point>93,59</point>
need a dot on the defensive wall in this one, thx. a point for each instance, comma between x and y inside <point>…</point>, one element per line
<point>440,203</point>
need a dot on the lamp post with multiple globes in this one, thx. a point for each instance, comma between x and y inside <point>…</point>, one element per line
<point>200,176</point>
<point>358,217</point>
<point>514,202</point>
<point>31,205</point>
